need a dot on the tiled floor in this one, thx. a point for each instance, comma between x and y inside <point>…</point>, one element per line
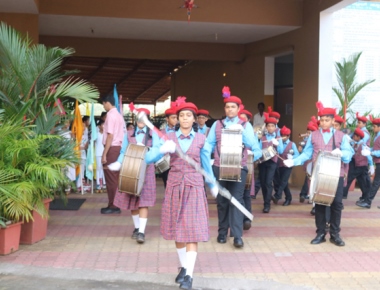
<point>277,247</point>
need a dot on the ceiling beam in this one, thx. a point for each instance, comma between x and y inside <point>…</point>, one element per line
<point>156,81</point>
<point>126,77</point>
<point>98,69</point>
<point>161,95</point>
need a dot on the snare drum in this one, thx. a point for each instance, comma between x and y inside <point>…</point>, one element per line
<point>163,164</point>
<point>132,173</point>
<point>231,155</point>
<point>325,178</point>
<point>268,153</point>
<point>250,166</point>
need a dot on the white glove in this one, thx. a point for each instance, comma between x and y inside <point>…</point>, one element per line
<point>212,162</point>
<point>168,147</point>
<point>236,127</point>
<point>289,156</point>
<point>140,144</point>
<point>214,191</point>
<point>337,152</point>
<point>249,152</point>
<point>114,166</point>
<point>371,170</point>
<point>289,162</point>
<point>366,152</point>
<point>90,167</point>
<point>274,142</point>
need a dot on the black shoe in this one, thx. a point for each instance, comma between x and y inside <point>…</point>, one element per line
<point>266,209</point>
<point>246,225</point>
<point>275,200</point>
<point>287,202</point>
<point>140,238</point>
<point>302,198</point>
<point>187,283</point>
<point>110,210</point>
<point>135,233</point>
<point>363,204</point>
<point>337,240</point>
<point>344,197</point>
<point>318,239</point>
<point>238,243</point>
<point>181,275</point>
<point>312,212</point>
<point>361,199</point>
<point>221,239</point>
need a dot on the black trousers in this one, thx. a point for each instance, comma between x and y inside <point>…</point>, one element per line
<point>305,187</point>
<point>360,173</point>
<point>247,201</point>
<point>164,176</point>
<point>375,185</point>
<point>267,172</point>
<point>335,215</point>
<point>229,217</point>
<point>284,173</point>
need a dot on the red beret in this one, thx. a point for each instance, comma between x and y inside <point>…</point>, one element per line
<point>203,112</point>
<point>374,121</point>
<point>232,99</point>
<point>273,114</point>
<point>285,131</point>
<point>322,111</point>
<point>338,119</point>
<point>361,118</point>
<point>187,106</point>
<point>246,112</point>
<point>146,111</point>
<point>311,126</point>
<point>359,132</point>
<point>270,121</point>
<point>170,111</point>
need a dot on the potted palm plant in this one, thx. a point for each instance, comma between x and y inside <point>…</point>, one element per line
<point>32,83</point>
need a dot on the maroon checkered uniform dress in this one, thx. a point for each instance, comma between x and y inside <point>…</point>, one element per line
<point>148,193</point>
<point>184,215</point>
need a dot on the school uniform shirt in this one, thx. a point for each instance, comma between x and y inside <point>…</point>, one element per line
<point>249,139</point>
<point>375,152</point>
<point>366,140</point>
<point>307,153</point>
<point>114,124</point>
<point>204,130</point>
<point>168,129</point>
<point>269,137</point>
<point>288,145</point>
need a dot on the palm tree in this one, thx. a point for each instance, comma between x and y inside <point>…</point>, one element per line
<point>31,79</point>
<point>346,72</point>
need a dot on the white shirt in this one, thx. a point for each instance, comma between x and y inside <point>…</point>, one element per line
<point>258,119</point>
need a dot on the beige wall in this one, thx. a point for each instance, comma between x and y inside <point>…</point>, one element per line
<point>202,81</point>
<point>25,23</point>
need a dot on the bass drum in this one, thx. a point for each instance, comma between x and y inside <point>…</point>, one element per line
<point>133,169</point>
<point>325,178</point>
<point>250,176</point>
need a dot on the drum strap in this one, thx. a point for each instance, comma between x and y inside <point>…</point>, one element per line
<point>334,147</point>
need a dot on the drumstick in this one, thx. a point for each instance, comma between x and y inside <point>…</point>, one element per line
<point>278,155</point>
<point>141,116</point>
<point>278,138</point>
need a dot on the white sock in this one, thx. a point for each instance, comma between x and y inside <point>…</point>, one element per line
<point>182,256</point>
<point>136,221</point>
<point>191,258</point>
<point>142,222</point>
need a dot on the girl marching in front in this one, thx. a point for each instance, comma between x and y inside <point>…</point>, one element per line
<point>139,205</point>
<point>185,215</point>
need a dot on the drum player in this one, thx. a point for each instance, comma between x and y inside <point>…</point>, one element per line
<point>185,217</point>
<point>230,217</point>
<point>290,152</point>
<point>138,205</point>
<point>375,153</point>
<point>330,140</point>
<point>267,168</point>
